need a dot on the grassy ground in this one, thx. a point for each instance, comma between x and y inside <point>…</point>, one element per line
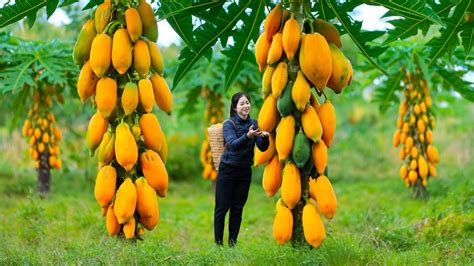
<point>377,221</point>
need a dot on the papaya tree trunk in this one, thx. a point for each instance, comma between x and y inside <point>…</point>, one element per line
<point>297,239</point>
<point>44,175</point>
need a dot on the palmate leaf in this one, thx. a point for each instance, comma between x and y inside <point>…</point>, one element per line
<point>449,38</point>
<point>207,35</point>
<point>20,9</point>
<point>179,16</point>
<point>467,36</point>
<point>360,37</point>
<point>28,8</point>
<point>409,9</point>
<point>239,52</point>
<point>453,79</point>
<point>385,93</point>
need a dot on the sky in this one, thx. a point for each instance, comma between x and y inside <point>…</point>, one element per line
<point>370,15</point>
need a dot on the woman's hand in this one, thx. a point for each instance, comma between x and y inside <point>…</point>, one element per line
<point>253,133</point>
<point>264,134</point>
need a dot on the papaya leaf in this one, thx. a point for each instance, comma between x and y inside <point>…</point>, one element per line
<point>92,3</point>
<point>169,8</point>
<point>183,26</point>
<point>385,94</point>
<point>467,36</point>
<point>51,7</point>
<point>449,38</point>
<point>20,9</point>
<point>239,52</point>
<point>207,34</point>
<point>358,36</point>
<point>454,80</point>
<point>410,9</point>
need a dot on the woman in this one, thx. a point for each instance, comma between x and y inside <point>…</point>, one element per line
<point>241,133</point>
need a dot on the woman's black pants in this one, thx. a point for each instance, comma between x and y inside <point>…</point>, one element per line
<point>232,189</point>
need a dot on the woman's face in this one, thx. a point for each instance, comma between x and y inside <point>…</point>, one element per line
<point>243,107</point>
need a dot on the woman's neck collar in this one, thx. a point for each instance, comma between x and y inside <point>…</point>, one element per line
<point>240,117</point>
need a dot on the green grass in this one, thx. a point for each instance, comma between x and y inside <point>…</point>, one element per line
<point>377,221</point>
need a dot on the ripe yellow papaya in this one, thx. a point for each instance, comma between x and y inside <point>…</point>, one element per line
<point>97,127</point>
<point>121,51</point>
<point>267,81</point>
<point>349,65</point>
<point>432,153</point>
<point>162,93</point>
<point>409,142</point>
<point>340,70</point>
<point>320,156</point>
<point>311,124</point>
<point>129,228</point>
<point>82,48</point>
<point>413,164</point>
<point>271,180</point>
<point>130,98</point>
<point>329,31</point>
<point>86,82</point>
<point>133,23</point>
<point>141,58</point>
<point>145,91</point>
<point>126,149</point>
<point>429,136</point>
<point>276,49</point>
<point>154,171</point>
<point>151,222</point>
<point>262,47</point>
<point>283,225</point>
<point>125,201</point>
<point>422,167</point>
<point>431,169</point>
<point>291,185</point>
<point>147,203</point>
<point>151,129</point>
<point>102,16</point>
<point>272,22</point>
<point>106,96</point>
<point>403,172</point>
<point>412,176</point>
<point>101,54</point>
<point>414,152</point>
<point>106,149</point>
<point>312,187</point>
<point>403,108</point>
<point>327,116</point>
<point>262,157</point>
<point>325,196</point>
<point>104,189</point>
<point>284,137</point>
<point>150,26</point>
<point>268,115</point>
<point>315,59</point>
<point>421,126</point>
<point>111,223</point>
<point>155,56</point>
<point>300,92</point>
<point>396,138</point>
<point>163,152</point>
<point>313,226</point>
<point>279,79</point>
<point>291,37</point>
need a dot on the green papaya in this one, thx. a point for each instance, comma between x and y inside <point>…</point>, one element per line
<point>301,149</point>
<point>285,104</point>
<point>82,48</point>
<point>308,169</point>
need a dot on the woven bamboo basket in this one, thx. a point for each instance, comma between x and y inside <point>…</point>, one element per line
<point>216,141</point>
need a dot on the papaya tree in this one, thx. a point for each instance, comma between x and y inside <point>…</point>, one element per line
<point>35,75</point>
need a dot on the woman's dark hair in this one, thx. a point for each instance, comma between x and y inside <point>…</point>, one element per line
<point>235,100</point>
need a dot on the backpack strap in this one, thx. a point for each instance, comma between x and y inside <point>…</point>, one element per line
<point>233,123</point>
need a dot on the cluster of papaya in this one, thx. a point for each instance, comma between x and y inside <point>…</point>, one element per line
<point>40,127</point>
<point>414,131</point>
<point>213,114</point>
<point>122,74</point>
<point>296,58</point>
